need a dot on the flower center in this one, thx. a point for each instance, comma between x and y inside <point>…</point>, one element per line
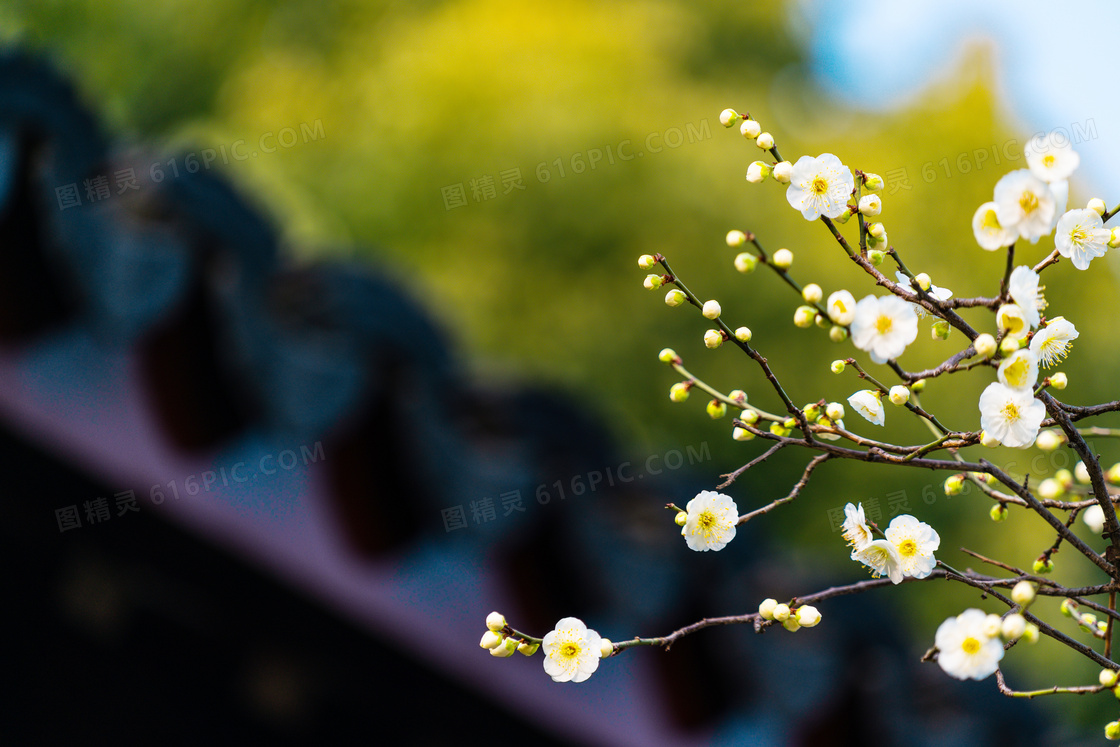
<point>908,548</point>
<point>1053,350</point>
<point>1028,202</point>
<point>990,221</point>
<point>706,521</point>
<point>1010,412</point>
<point>883,324</point>
<point>970,645</point>
<point>1017,373</point>
<point>1048,161</point>
<point>1079,236</point>
<point>820,185</point>
<point>569,650</point>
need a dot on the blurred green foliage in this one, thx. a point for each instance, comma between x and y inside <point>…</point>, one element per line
<point>542,281</point>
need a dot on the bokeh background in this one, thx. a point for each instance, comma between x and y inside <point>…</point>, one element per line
<point>474,151</point>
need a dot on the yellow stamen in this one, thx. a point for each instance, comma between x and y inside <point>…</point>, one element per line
<point>970,645</point>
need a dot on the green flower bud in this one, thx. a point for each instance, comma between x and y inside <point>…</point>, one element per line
<point>1023,593</point>
<point>954,485</point>
<point>716,409</point>
<point>918,386</point>
<point>667,355</point>
<point>679,391</point>
<point>653,282</point>
<point>838,366</point>
<point>998,512</point>
<point>1043,566</point>
<point>838,333</point>
<point>527,649</point>
<point>729,117</point>
<point>745,262</point>
<point>803,316</point>
<point>940,330</point>
<point>713,338</point>
<point>681,518</point>
<point>675,297</point>
<point>876,257</point>
<point>646,261</point>
<point>741,434</point>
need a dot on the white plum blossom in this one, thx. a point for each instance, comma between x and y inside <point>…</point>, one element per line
<point>856,531</point>
<point>989,232</point>
<point>1025,204</point>
<point>881,556</point>
<point>711,521</point>
<point>1019,370</point>
<point>869,404</point>
<point>1013,320</point>
<point>1081,237</point>
<point>820,186</point>
<point>1051,343</point>
<point>1011,416</point>
<point>965,650</point>
<point>884,327</point>
<point>915,542</point>
<point>842,308</point>
<point>571,651</point>
<point>1049,160</point>
<point>1024,288</point>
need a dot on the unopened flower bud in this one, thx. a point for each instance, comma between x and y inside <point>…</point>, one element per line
<point>1030,635</point>
<point>845,215</point>
<point>881,240</point>
<point>1114,238</point>
<point>1008,345</point>
<point>711,309</point>
<point>992,625</point>
<point>922,280</point>
<point>1042,566</point>
<point>812,293</point>
<point>678,392</point>
<point>918,386</point>
<point>1112,729</point>
<point>988,440</point>
<point>646,261</point>
<point>1014,625</point>
<point>803,316</point>
<point>791,624</point>
<point>873,182</point>
<point>899,395</point>
<point>495,622</point>
<point>876,257</point>
<point>757,172</point>
<point>736,239</point>
<point>1023,593</point>
<point>490,639</point>
<point>681,518</point>
<point>779,430</point>
<point>782,258</point>
<point>728,117</point>
<point>1081,473</point>
<point>780,612</point>
<point>998,512</point>
<point>1113,474</point>
<point>741,434</point>
<point>527,649</point>
<point>812,411</point>
<point>738,395</point>
<point>713,338</point>
<point>1048,440</point>
<point>838,366</point>
<point>985,345</point>
<point>1108,677</point>
<point>1065,477</point>
<point>750,417</point>
<point>1068,607</point>
<point>667,355</point>
<point>750,129</point>
<point>876,230</point>
<point>716,409</point>
<point>834,411</point>
<point>606,647</point>
<point>1097,206</point>
<point>782,171</point>
<point>1058,380</point>
<point>954,485</point>
<point>821,321</point>
<point>505,649</point>
<point>767,607</point>
<point>1093,516</point>
<point>808,616</point>
<point>870,205</point>
<point>940,330</point>
<point>765,141</point>
<point>743,334</point>
<point>675,297</point>
<point>653,282</point>
<point>745,262</point>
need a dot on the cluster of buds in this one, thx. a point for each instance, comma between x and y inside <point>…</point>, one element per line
<point>791,618</point>
<point>501,641</point>
<point>1087,621</point>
